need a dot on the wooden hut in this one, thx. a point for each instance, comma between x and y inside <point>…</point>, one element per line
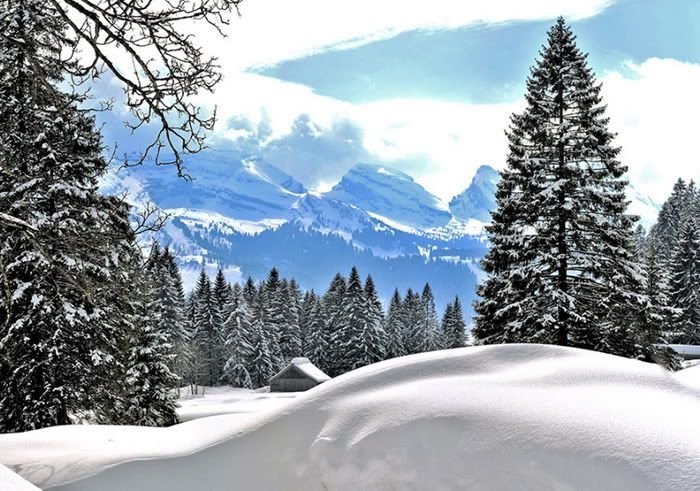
<point>298,376</point>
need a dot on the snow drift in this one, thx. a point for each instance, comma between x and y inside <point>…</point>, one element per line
<point>499,417</point>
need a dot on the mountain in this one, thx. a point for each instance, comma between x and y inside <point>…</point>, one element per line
<point>390,195</point>
<point>245,215</point>
<point>479,198</point>
<point>226,183</point>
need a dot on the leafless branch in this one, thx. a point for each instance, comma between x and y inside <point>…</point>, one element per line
<point>165,66</point>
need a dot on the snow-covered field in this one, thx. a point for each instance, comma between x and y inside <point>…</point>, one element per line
<point>226,400</point>
<point>500,417</point>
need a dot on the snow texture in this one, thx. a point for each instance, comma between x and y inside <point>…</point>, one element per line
<point>9,481</point>
<point>498,417</point>
<point>227,400</point>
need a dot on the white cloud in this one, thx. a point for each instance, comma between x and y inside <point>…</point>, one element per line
<point>654,107</point>
<point>270,31</point>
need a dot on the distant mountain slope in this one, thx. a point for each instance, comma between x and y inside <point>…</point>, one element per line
<point>479,198</point>
<point>391,194</point>
<point>245,215</point>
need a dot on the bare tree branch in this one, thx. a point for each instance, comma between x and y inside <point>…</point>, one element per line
<point>165,66</point>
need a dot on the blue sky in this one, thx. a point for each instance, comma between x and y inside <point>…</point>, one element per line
<point>316,86</point>
<point>489,63</point>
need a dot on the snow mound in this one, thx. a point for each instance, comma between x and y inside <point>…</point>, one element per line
<point>690,377</point>
<point>499,417</point>
<point>9,481</point>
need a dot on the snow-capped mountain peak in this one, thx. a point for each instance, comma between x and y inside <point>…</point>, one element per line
<point>392,194</point>
<point>478,199</point>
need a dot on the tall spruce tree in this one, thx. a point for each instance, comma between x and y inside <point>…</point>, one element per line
<point>668,225</point>
<point>206,333</point>
<point>360,338</point>
<point>413,315</point>
<point>149,380</point>
<point>272,297</point>
<point>290,335</point>
<point>261,366</point>
<point>221,298</point>
<point>316,334</point>
<point>685,283</point>
<point>561,268</point>
<point>334,302</point>
<point>431,336</point>
<point>173,305</point>
<point>238,342</point>
<point>395,327</point>
<point>67,254</point>
<point>453,327</point>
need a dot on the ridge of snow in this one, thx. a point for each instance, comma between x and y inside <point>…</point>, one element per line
<point>534,416</point>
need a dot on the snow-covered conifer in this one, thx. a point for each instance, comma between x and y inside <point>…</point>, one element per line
<point>561,266</point>
<point>395,327</point>
<point>238,342</point>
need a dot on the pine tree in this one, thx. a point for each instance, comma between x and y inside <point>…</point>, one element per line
<point>206,334</point>
<point>655,320</point>
<point>290,336</point>
<point>431,336</point>
<point>395,327</point>
<point>261,367</point>
<point>375,313</point>
<point>360,340</point>
<point>149,379</point>
<point>68,254</point>
<point>639,240</point>
<point>561,268</point>
<point>238,339</point>
<point>173,304</point>
<point>668,225</point>
<point>316,334</point>
<point>334,302</point>
<point>453,327</point>
<point>413,315</point>
<point>273,304</point>
<point>685,283</point>
<point>221,297</point>
<point>250,291</point>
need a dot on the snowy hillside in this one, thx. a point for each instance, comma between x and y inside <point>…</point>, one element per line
<point>498,417</point>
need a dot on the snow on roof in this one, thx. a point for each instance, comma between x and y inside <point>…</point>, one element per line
<point>307,368</point>
<point>686,349</point>
<point>491,417</point>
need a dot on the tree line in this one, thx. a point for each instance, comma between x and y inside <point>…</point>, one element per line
<point>242,334</point>
<point>670,253</point>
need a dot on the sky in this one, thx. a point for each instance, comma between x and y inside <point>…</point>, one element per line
<point>316,86</point>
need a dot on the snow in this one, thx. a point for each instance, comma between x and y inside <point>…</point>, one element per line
<point>690,376</point>
<point>311,370</point>
<point>495,417</point>
<point>687,350</point>
<point>228,400</point>
<point>9,481</point>
<point>393,223</point>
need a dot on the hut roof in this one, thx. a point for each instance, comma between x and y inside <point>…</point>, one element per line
<point>307,368</point>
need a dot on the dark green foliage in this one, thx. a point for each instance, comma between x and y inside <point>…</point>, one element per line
<point>561,265</point>
<point>453,326</point>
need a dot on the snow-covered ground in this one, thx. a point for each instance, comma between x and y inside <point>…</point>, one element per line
<point>492,418</point>
<point>227,400</point>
